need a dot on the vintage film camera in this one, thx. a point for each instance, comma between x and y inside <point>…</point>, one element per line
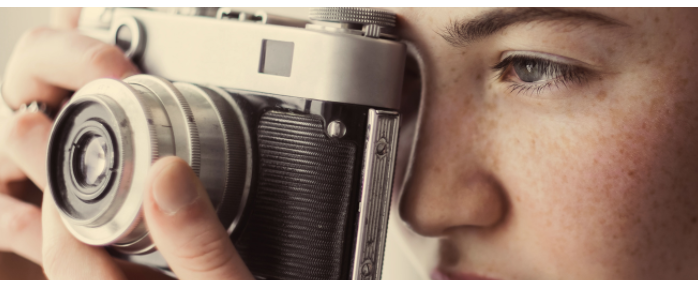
<point>291,126</point>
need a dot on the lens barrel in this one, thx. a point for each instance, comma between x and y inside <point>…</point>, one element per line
<point>107,137</point>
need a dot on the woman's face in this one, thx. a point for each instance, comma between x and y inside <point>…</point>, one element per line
<point>557,143</point>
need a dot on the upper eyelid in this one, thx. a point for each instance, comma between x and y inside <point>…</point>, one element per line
<point>546,56</point>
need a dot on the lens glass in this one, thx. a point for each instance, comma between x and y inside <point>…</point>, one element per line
<point>84,164</point>
<point>92,159</point>
<point>93,164</point>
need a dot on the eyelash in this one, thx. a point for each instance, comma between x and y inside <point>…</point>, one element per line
<point>559,73</point>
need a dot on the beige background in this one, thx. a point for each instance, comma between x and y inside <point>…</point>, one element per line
<point>13,22</point>
<point>407,256</point>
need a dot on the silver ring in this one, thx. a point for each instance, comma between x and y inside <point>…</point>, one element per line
<point>34,106</point>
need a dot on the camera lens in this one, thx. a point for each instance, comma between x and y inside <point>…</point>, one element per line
<point>105,140</point>
<point>91,159</point>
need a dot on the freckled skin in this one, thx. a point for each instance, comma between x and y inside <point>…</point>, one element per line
<point>595,180</point>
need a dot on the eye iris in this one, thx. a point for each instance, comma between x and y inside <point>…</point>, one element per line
<point>528,71</point>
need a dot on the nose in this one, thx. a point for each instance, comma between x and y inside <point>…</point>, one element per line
<point>453,181</point>
<point>438,198</point>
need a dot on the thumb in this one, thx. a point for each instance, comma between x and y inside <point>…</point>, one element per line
<point>184,226</point>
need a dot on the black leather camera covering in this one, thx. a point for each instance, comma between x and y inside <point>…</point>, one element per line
<point>297,222</point>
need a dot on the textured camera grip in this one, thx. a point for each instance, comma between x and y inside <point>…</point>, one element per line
<point>296,225</point>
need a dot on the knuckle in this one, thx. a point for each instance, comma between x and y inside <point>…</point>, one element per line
<point>103,55</point>
<point>21,218</point>
<point>206,252</point>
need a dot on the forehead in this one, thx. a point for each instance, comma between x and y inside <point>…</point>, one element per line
<point>646,18</point>
<point>440,14</point>
<point>647,32</point>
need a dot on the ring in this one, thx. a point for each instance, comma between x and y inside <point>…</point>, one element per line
<point>34,106</point>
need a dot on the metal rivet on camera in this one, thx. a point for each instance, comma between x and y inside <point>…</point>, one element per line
<point>367,269</point>
<point>382,147</point>
<point>336,129</point>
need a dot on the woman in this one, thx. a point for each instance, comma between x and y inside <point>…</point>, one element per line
<point>552,143</point>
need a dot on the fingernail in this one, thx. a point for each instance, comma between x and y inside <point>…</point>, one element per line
<point>175,188</point>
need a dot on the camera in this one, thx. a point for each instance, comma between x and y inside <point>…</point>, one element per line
<point>292,127</point>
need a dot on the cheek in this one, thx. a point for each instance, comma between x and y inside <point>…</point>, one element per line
<point>611,191</point>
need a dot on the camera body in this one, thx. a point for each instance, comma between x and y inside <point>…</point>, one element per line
<point>291,126</point>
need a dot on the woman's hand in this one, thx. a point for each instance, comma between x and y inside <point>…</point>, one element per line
<point>45,65</point>
<point>182,223</point>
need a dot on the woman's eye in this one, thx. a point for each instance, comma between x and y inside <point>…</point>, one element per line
<point>528,72</point>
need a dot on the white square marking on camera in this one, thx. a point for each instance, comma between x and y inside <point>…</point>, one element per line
<point>276,58</point>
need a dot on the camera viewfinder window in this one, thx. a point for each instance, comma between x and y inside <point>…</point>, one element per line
<point>276,58</point>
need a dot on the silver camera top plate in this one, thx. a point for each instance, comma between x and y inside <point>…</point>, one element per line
<point>267,58</point>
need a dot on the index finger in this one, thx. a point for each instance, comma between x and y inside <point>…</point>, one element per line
<point>48,62</point>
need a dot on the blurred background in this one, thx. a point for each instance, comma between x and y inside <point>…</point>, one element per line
<point>13,22</point>
<point>408,256</point>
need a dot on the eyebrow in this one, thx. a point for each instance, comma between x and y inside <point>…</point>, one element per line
<point>462,32</point>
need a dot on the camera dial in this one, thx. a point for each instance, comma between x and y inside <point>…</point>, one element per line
<point>368,22</point>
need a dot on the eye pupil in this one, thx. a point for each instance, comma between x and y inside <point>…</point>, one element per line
<point>528,71</point>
